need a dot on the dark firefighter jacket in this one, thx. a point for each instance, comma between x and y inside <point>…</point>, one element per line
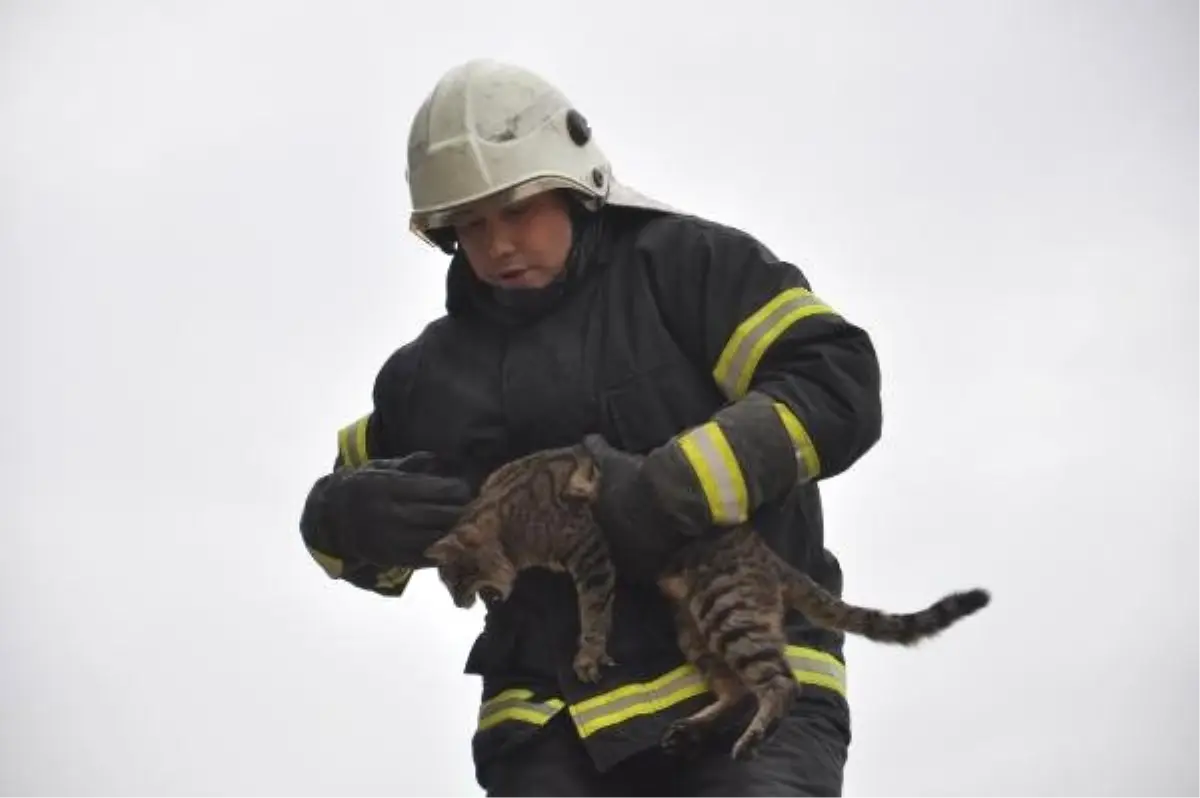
<point>662,321</point>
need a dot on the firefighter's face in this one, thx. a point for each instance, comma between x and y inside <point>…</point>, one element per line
<point>521,245</point>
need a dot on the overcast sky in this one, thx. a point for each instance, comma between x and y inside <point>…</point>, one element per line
<point>205,260</point>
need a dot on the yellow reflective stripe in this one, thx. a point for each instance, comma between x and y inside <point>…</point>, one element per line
<point>632,700</point>
<point>515,705</point>
<point>708,452</point>
<point>809,666</point>
<point>394,578</point>
<point>806,454</point>
<point>749,342</point>
<point>352,442</point>
<point>332,565</point>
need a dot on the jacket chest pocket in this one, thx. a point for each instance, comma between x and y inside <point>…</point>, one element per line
<point>645,410</point>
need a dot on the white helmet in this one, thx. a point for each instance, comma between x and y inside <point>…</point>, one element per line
<point>490,129</point>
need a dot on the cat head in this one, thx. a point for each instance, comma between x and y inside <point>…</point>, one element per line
<point>472,559</point>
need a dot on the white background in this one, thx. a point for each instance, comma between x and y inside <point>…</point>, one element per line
<point>205,260</point>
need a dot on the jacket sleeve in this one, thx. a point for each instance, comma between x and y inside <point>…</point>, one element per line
<point>376,435</point>
<point>802,382</point>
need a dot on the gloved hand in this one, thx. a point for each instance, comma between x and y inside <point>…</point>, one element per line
<point>386,512</point>
<point>635,509</point>
<point>719,473</point>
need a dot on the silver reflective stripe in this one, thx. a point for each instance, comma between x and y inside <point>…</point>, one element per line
<point>750,340</point>
<point>352,442</point>
<point>809,666</point>
<point>808,464</point>
<point>515,705</point>
<point>826,666</point>
<point>720,475</point>
<point>637,699</point>
<point>393,578</point>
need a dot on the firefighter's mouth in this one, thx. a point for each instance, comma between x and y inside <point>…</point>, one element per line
<point>512,275</point>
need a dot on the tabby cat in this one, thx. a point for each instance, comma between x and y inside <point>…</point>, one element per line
<point>729,591</point>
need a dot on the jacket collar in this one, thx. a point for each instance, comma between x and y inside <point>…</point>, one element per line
<point>595,235</point>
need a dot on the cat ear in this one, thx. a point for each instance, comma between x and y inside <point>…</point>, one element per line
<point>444,549</point>
<point>584,481</point>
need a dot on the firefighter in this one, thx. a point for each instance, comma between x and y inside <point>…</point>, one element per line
<point>702,369</point>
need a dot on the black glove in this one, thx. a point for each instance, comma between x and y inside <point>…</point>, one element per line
<point>641,528</point>
<point>761,463</point>
<point>386,512</point>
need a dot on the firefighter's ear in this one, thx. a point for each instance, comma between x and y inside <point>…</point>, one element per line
<point>444,549</point>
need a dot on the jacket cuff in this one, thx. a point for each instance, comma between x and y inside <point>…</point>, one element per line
<point>751,452</point>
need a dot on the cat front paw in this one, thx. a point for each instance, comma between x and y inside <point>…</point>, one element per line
<point>589,661</point>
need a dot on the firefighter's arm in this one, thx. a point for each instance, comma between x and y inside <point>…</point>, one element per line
<point>802,382</point>
<point>369,521</point>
